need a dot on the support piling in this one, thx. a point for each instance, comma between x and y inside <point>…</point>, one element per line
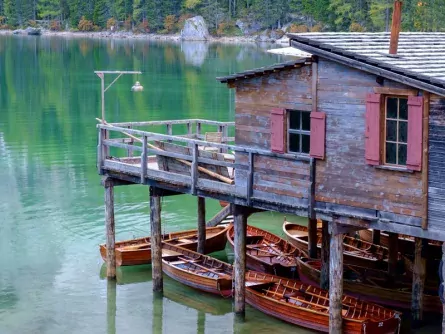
<point>240,222</point>
<point>201,225</point>
<point>110,228</point>
<point>325,245</point>
<point>156,243</point>
<point>336,283</point>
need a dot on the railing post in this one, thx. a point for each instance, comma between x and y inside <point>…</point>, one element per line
<point>225,136</point>
<point>198,130</point>
<point>106,149</point>
<point>221,129</point>
<point>189,130</point>
<point>169,131</point>
<point>194,169</point>
<point>250,178</point>
<point>144,159</point>
<point>100,157</point>
<point>130,152</point>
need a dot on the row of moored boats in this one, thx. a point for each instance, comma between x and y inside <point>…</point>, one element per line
<point>283,282</point>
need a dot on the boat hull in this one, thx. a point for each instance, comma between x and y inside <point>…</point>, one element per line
<point>221,287</point>
<point>128,253</point>
<point>389,297</point>
<point>196,270</point>
<point>310,317</point>
<point>367,260</point>
<point>260,261</point>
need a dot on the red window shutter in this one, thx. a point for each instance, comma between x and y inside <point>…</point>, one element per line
<point>277,130</point>
<point>318,134</point>
<point>415,115</point>
<point>372,131</point>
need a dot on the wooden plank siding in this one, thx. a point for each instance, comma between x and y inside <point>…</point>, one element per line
<point>255,99</point>
<point>344,177</point>
<point>436,173</point>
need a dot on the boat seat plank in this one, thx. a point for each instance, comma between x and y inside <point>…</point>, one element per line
<point>169,252</point>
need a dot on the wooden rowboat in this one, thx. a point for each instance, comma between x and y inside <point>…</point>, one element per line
<point>196,270</point>
<point>138,251</point>
<point>308,306</point>
<point>406,243</point>
<point>373,285</point>
<point>268,253</point>
<point>356,252</point>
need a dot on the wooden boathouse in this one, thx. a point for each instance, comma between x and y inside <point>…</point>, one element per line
<point>352,135</point>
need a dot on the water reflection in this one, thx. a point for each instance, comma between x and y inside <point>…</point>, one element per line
<point>195,53</point>
<point>157,313</point>
<point>111,307</point>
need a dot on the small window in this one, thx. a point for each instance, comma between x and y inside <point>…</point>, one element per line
<point>396,131</point>
<point>298,131</point>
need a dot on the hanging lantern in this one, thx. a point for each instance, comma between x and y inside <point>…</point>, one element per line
<point>137,87</point>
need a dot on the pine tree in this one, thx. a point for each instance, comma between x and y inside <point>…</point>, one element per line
<point>139,10</point>
<point>48,9</point>
<point>101,13</point>
<point>10,10</point>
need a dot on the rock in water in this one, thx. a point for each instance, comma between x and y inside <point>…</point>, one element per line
<point>33,31</point>
<point>195,29</point>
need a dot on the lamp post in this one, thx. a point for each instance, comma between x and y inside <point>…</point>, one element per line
<point>101,75</point>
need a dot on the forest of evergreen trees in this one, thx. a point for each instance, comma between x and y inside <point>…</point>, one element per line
<point>167,16</point>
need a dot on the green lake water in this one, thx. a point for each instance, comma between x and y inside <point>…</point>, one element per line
<point>51,201</point>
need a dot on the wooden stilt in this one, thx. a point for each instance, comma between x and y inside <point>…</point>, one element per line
<point>156,245</point>
<point>312,238</point>
<point>110,228</point>
<point>201,225</point>
<point>376,237</point>
<point>240,222</point>
<point>418,282</point>
<point>393,253</point>
<point>111,307</point>
<point>336,283</point>
<point>325,245</point>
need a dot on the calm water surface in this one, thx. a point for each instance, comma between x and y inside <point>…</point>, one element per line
<point>51,201</point>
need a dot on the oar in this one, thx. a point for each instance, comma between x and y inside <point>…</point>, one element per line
<point>185,162</point>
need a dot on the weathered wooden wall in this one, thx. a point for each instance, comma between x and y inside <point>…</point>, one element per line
<point>277,178</point>
<point>436,177</point>
<point>344,177</point>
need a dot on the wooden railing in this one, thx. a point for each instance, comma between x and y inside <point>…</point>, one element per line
<point>125,136</point>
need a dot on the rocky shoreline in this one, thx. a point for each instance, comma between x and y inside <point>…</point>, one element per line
<point>158,37</point>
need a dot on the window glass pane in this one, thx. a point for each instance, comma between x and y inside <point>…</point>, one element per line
<point>305,144</point>
<point>294,119</point>
<point>391,107</point>
<point>391,153</point>
<point>403,108</point>
<point>294,142</point>
<point>391,130</point>
<point>403,131</point>
<point>402,154</point>
<point>306,121</point>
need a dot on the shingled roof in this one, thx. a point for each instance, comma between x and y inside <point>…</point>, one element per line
<point>265,70</point>
<point>420,60</point>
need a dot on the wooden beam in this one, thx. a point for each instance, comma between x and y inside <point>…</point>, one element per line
<point>314,86</point>
<point>156,244</point>
<point>419,271</point>
<point>395,27</point>
<point>425,155</point>
<point>335,283</point>
<point>312,223</point>
<point>240,222</point>
<point>325,246</point>
<point>201,225</point>
<point>395,91</point>
<point>220,216</point>
<point>393,253</point>
<point>376,237</point>
<point>110,228</point>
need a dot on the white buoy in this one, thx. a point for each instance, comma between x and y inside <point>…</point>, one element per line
<point>137,87</point>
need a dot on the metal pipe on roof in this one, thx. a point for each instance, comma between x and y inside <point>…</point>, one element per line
<point>395,27</point>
